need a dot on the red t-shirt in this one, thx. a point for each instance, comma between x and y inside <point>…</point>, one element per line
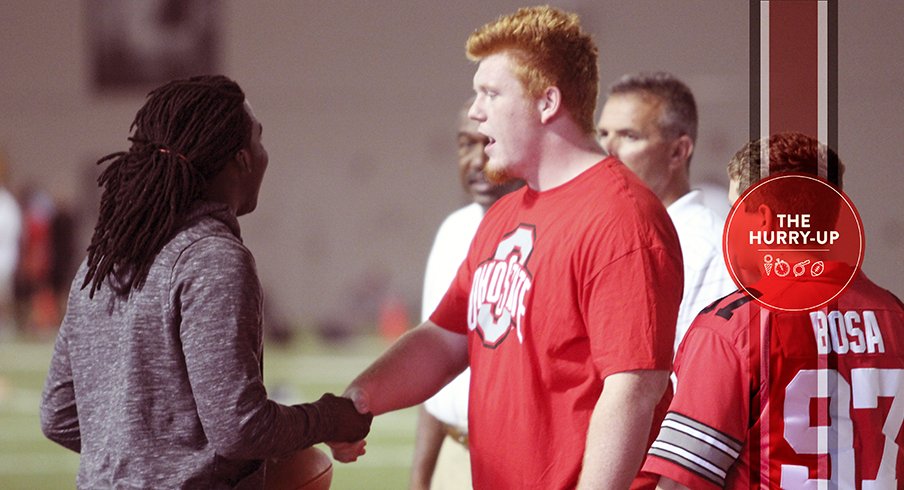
<point>560,289</point>
<point>824,402</point>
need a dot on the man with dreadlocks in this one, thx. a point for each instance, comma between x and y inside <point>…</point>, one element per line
<point>156,374</point>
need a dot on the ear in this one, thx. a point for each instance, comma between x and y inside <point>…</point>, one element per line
<point>682,149</point>
<point>243,159</point>
<point>766,216</point>
<point>549,104</point>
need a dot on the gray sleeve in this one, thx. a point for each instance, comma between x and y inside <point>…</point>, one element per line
<point>59,415</point>
<point>216,293</point>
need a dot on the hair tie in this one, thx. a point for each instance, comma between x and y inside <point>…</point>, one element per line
<point>167,151</point>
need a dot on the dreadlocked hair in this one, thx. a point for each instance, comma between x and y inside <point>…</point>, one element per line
<point>182,137</point>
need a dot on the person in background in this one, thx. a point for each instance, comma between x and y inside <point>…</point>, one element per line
<point>771,398</point>
<point>156,374</point>
<point>10,236</point>
<point>649,122</point>
<point>565,306</point>
<point>438,458</point>
<point>46,262</point>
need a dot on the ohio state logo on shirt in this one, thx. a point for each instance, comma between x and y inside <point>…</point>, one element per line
<point>499,291</point>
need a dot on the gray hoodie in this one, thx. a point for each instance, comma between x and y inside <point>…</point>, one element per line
<point>163,388</point>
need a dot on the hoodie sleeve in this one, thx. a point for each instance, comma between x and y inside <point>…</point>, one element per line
<point>59,415</point>
<point>219,298</point>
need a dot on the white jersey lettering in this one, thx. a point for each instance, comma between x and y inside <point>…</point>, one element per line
<point>842,333</point>
<point>499,289</point>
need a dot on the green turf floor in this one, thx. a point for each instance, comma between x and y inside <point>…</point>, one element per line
<point>294,373</point>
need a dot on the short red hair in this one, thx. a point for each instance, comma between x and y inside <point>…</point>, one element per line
<point>551,50</point>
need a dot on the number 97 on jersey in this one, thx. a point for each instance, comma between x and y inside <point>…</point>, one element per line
<point>853,422</point>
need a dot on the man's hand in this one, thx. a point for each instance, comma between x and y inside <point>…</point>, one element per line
<point>349,451</point>
<point>345,422</point>
<point>433,354</point>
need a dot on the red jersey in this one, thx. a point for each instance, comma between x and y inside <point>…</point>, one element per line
<point>788,399</point>
<point>560,289</point>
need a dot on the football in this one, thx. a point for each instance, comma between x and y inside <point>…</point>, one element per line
<point>305,469</point>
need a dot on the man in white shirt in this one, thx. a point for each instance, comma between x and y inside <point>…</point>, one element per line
<point>10,235</point>
<point>649,122</point>
<point>438,458</point>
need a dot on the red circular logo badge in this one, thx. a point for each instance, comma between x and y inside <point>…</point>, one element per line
<point>793,241</point>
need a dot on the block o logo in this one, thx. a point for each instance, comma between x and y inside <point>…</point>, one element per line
<point>793,241</point>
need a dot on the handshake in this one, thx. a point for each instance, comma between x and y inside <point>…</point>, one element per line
<point>334,419</point>
<point>346,422</point>
<point>331,419</point>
